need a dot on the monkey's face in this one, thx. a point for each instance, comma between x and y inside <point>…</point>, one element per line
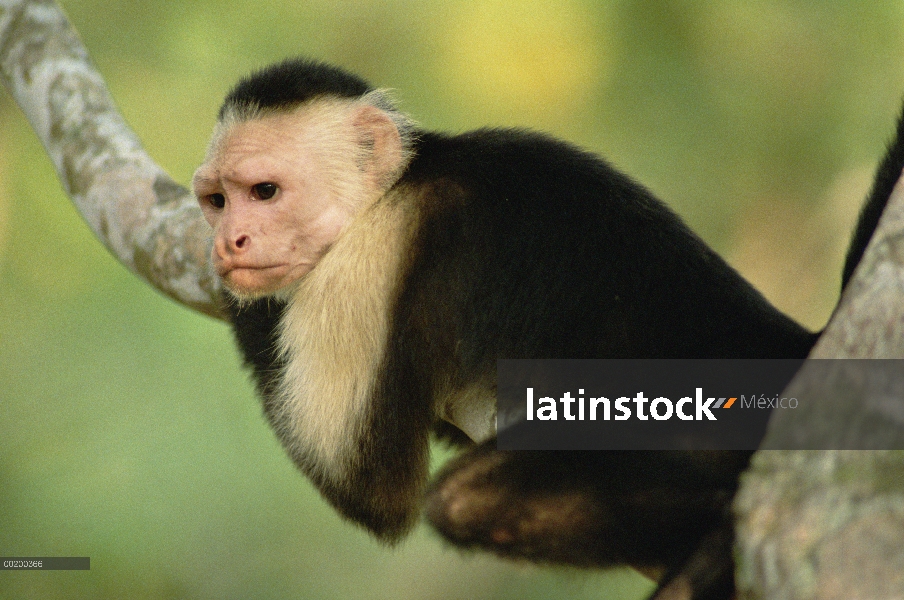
<point>268,191</point>
<point>279,189</point>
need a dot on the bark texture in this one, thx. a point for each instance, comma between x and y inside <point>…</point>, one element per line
<point>829,525</point>
<point>147,220</point>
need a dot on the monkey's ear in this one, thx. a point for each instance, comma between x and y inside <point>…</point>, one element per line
<point>378,134</point>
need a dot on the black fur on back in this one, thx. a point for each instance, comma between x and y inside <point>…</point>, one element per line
<point>533,248</point>
<point>293,82</point>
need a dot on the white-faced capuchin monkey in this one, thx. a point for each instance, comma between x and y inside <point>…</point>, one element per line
<point>377,271</point>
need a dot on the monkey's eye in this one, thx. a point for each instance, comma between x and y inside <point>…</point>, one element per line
<point>216,200</point>
<point>265,190</point>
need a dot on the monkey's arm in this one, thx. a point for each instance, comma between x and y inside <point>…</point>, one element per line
<point>148,221</point>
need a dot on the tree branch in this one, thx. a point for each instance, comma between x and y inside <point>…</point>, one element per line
<point>147,220</point>
<point>830,524</point>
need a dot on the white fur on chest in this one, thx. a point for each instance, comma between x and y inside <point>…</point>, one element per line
<point>334,335</point>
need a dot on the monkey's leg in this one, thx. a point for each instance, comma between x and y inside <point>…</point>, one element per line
<point>650,510</point>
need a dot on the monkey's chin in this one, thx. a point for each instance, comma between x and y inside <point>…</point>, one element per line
<point>247,285</point>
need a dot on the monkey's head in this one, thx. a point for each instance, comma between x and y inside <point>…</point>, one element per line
<point>295,155</point>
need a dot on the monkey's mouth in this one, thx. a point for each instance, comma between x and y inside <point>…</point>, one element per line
<point>224,270</point>
<point>258,279</point>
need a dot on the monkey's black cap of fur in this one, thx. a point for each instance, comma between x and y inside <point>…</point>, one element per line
<point>293,82</point>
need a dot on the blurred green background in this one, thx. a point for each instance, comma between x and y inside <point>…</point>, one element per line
<point>127,431</point>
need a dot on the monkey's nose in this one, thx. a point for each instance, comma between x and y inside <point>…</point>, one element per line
<point>227,246</point>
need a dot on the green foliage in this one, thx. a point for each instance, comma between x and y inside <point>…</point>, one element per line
<point>127,431</point>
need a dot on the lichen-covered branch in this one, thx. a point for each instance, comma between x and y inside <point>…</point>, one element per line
<point>147,220</point>
<point>829,524</point>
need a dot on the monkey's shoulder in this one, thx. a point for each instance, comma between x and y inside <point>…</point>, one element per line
<point>510,157</point>
<point>516,177</point>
